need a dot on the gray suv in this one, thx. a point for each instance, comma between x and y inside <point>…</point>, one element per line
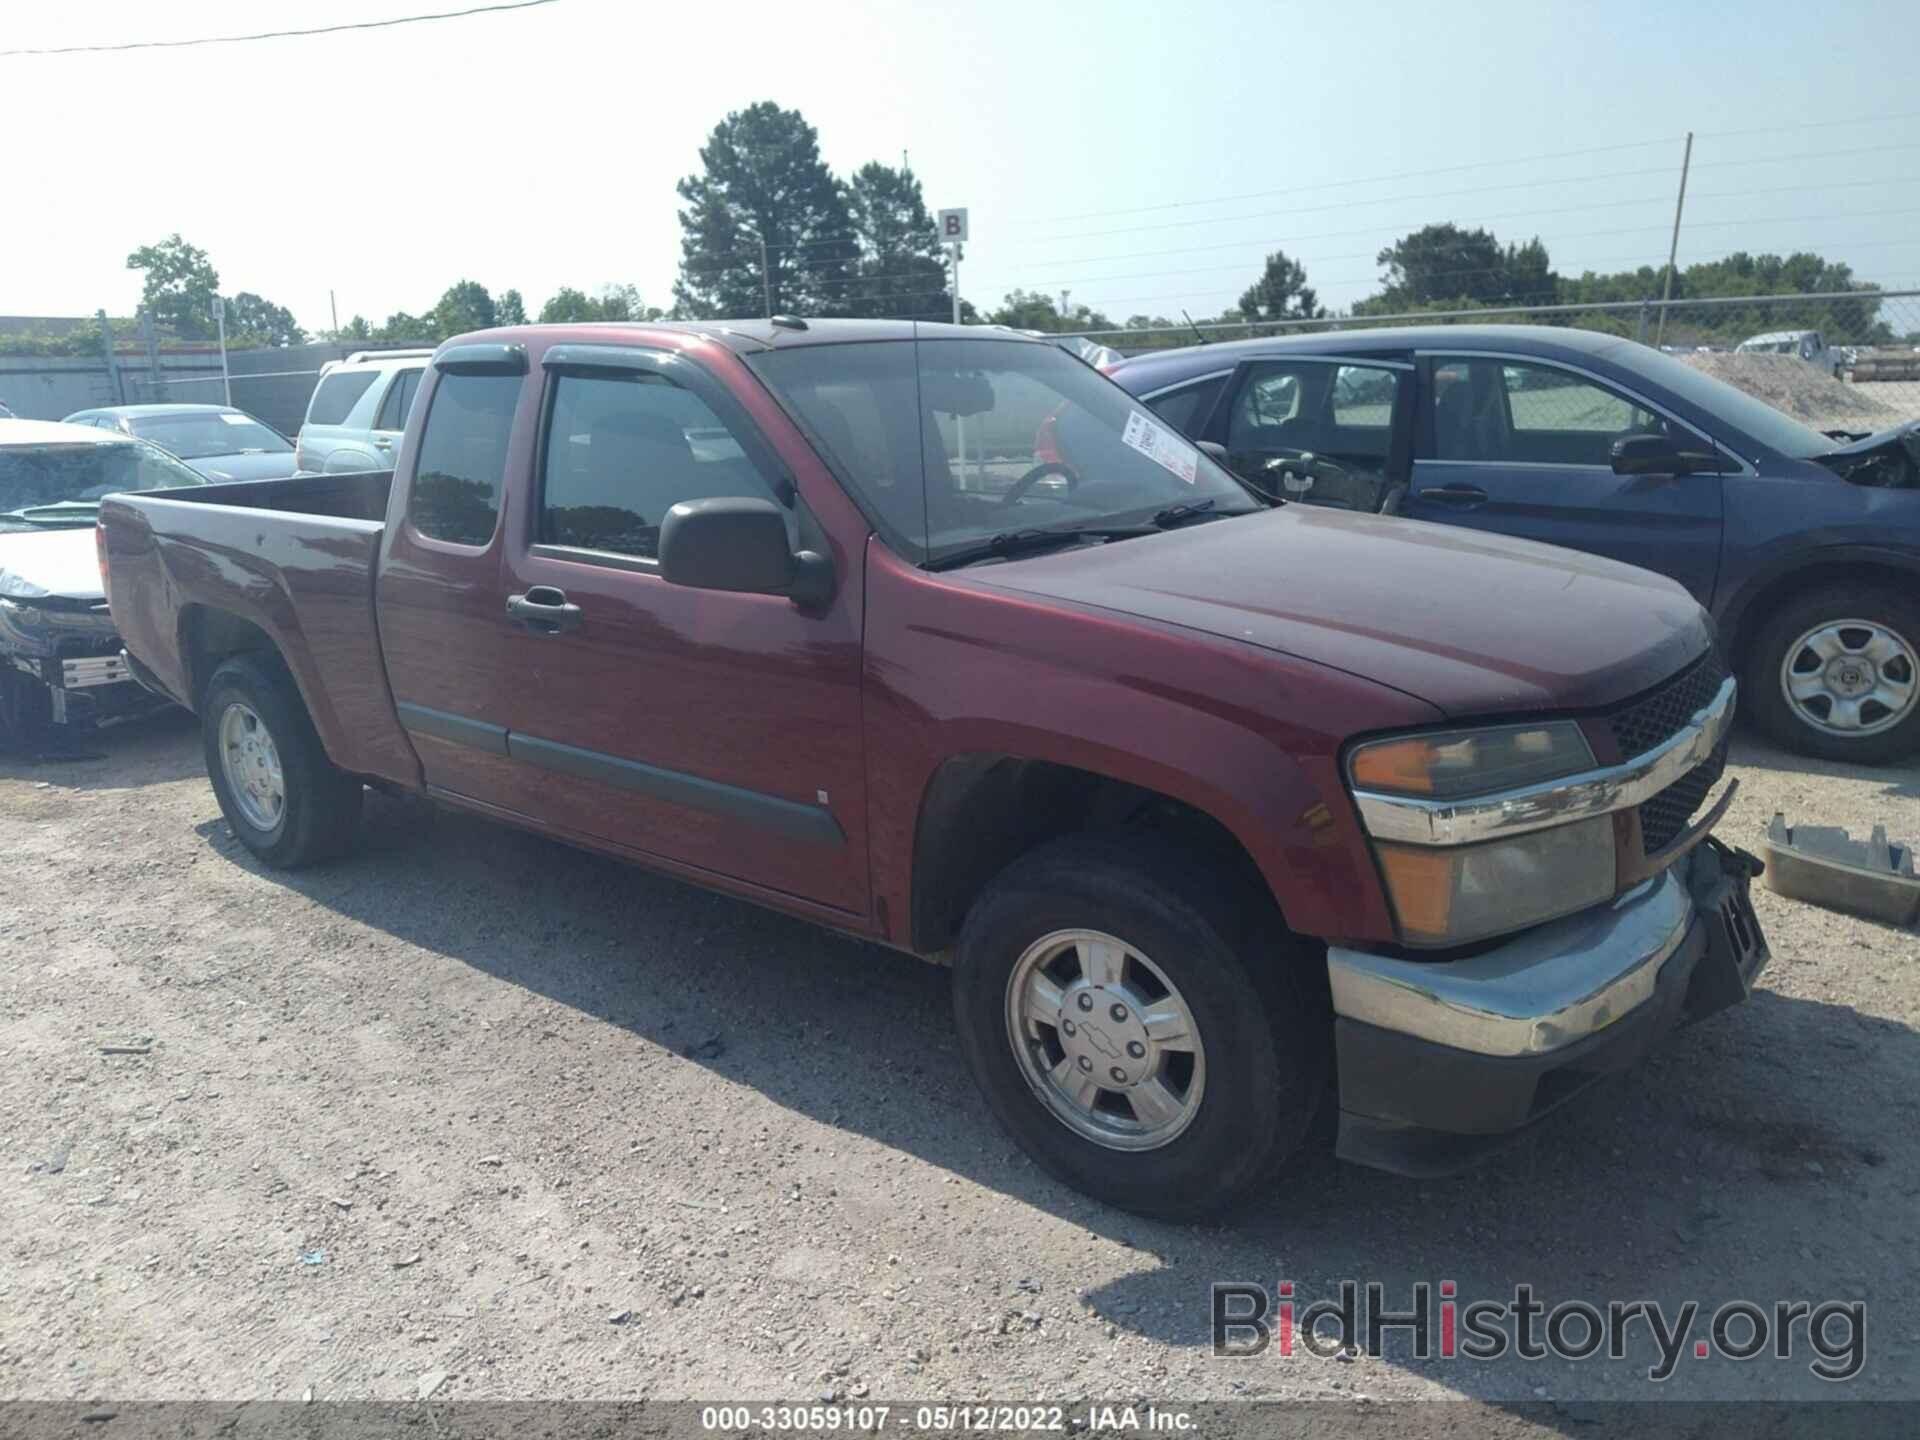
<point>358,410</point>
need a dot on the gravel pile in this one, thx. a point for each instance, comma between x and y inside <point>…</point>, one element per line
<point>1791,384</point>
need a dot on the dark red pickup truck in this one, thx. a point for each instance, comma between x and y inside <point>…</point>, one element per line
<point>1212,804</point>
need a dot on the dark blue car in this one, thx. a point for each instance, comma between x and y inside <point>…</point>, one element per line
<point>1804,545</point>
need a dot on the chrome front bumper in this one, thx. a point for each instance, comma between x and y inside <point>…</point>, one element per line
<point>1552,986</point>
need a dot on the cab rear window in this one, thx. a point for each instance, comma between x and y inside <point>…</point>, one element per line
<point>334,400</point>
<point>463,458</point>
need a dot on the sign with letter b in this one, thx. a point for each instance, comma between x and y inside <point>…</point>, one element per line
<point>953,227</point>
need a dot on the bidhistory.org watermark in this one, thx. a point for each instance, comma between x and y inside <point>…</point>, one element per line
<point>1434,1321</point>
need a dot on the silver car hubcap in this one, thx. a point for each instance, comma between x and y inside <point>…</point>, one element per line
<point>1850,678</point>
<point>1105,1040</point>
<point>252,766</point>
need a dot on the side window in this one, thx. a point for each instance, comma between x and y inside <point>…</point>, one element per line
<point>1187,408</point>
<point>623,450</point>
<point>334,400</point>
<point>398,401</point>
<point>1266,407</point>
<point>1315,430</point>
<point>463,458</point>
<point>1514,412</point>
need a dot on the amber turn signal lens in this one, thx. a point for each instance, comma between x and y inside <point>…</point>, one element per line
<point>1421,883</point>
<point>1399,767</point>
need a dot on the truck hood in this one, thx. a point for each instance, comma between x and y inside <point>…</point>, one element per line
<point>1472,623</point>
<point>57,564</point>
<point>244,467</point>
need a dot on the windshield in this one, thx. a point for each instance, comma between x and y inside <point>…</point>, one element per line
<point>196,435</point>
<point>42,485</point>
<point>951,442</point>
<point>1775,429</point>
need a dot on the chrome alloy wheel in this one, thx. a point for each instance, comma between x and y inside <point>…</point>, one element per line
<point>1105,1039</point>
<point>1850,678</point>
<point>252,766</point>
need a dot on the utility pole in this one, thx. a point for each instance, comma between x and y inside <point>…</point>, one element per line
<point>153,353</point>
<point>220,317</point>
<point>954,251</point>
<point>106,353</point>
<point>334,310</point>
<point>1673,250</point>
<point>766,276</point>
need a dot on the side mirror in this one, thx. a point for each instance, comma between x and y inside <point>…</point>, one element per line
<point>739,544</point>
<point>1662,455</point>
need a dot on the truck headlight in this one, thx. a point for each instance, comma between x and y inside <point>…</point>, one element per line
<point>1451,894</point>
<point>1452,764</point>
<point>1454,894</point>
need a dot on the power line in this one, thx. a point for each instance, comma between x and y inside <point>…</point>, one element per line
<point>277,34</point>
<point>1472,165</point>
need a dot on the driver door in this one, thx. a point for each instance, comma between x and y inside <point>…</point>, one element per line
<point>1524,447</point>
<point>1322,430</point>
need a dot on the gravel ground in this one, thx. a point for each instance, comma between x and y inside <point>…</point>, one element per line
<point>476,1114</point>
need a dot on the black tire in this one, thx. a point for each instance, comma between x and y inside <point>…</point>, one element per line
<point>1257,999</point>
<point>322,802</point>
<point>26,710</point>
<point>1763,698</point>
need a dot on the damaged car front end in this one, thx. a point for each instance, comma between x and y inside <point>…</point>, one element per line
<point>61,663</point>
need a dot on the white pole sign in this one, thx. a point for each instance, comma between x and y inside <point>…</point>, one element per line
<point>953,227</point>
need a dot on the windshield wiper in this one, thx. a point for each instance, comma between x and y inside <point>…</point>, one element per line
<point>1026,542</point>
<point>1174,514</point>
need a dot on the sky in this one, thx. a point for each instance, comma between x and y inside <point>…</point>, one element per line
<point>1143,157</point>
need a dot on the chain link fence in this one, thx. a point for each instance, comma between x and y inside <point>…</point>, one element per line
<point>1844,361</point>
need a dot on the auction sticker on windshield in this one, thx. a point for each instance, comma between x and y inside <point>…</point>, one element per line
<point>1162,446</point>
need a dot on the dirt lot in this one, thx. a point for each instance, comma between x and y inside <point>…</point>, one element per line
<point>479,1115</point>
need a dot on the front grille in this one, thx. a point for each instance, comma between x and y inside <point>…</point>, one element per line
<point>1642,724</point>
<point>1664,816</point>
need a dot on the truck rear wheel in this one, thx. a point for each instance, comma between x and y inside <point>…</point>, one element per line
<point>1134,1028</point>
<point>286,801</point>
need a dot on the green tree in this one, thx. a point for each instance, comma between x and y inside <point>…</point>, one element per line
<point>1032,310</point>
<point>465,306</point>
<point>1281,292</point>
<point>762,180</point>
<point>1148,322</point>
<point>1442,266</point>
<point>902,270</point>
<point>355,329</point>
<point>510,309</point>
<point>250,316</point>
<point>178,286</point>
<point>414,329</point>
<point>614,302</point>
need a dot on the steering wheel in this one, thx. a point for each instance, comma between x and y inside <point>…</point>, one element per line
<point>1038,473</point>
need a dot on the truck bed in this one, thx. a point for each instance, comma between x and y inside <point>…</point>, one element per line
<point>294,560</point>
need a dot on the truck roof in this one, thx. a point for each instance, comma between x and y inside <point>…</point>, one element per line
<point>761,334</point>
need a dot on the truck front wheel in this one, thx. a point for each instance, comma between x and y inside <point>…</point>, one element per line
<point>286,801</point>
<point>1147,1035</point>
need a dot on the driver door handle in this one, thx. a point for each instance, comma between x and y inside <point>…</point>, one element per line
<point>544,609</point>
<point>1459,496</point>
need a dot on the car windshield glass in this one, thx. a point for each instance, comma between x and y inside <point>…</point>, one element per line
<point>44,485</point>
<point>195,436</point>
<point>952,442</point>
<point>1773,428</point>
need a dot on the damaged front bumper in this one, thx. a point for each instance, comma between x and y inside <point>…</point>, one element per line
<point>73,650</point>
<point>1438,1062</point>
